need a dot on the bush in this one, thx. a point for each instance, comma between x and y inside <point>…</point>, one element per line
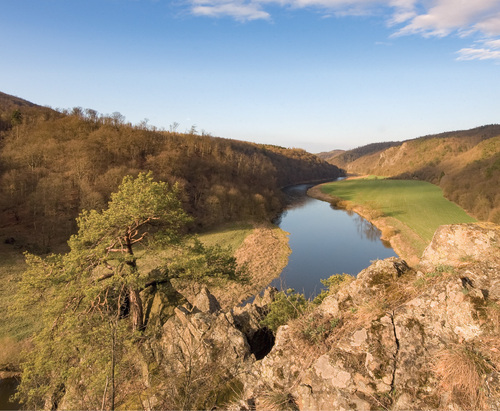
<point>333,283</point>
<point>286,306</point>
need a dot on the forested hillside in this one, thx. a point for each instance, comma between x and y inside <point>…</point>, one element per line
<point>465,164</point>
<point>54,163</point>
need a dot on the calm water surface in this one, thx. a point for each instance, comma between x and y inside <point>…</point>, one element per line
<point>325,241</point>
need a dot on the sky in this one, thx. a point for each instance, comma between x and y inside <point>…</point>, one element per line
<point>313,74</point>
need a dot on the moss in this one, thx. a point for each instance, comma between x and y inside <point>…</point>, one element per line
<point>317,328</point>
<point>381,278</point>
<point>280,374</point>
<point>379,373</point>
<point>480,307</point>
<point>414,323</point>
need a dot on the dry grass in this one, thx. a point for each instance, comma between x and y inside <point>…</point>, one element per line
<point>264,254</point>
<point>460,370</point>
<point>279,400</point>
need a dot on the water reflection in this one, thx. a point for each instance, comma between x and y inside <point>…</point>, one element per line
<point>325,241</point>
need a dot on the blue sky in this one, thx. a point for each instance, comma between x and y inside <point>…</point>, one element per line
<point>315,74</point>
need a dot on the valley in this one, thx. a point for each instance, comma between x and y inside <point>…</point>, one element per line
<point>127,251</point>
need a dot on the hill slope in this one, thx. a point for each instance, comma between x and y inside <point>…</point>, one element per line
<point>465,164</point>
<point>54,164</point>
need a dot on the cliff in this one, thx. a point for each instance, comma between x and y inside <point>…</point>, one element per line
<point>396,337</point>
<point>422,337</point>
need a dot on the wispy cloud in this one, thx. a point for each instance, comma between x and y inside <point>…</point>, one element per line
<point>428,18</point>
<point>239,10</point>
<point>444,17</point>
<point>486,50</point>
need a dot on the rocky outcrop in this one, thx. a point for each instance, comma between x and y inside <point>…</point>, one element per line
<point>197,334</point>
<point>397,337</point>
<point>460,244</point>
<point>405,338</point>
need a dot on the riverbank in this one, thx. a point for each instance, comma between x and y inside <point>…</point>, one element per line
<point>261,253</point>
<point>402,239</point>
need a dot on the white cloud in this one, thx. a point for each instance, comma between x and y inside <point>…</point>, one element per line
<point>494,44</point>
<point>407,17</point>
<point>490,25</point>
<point>239,10</point>
<point>484,50</point>
<point>478,54</point>
<point>462,16</point>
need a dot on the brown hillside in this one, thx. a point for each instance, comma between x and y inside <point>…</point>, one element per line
<point>466,164</point>
<point>328,155</point>
<point>54,164</point>
<point>6,101</point>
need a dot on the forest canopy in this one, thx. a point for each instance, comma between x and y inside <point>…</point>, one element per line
<point>54,164</point>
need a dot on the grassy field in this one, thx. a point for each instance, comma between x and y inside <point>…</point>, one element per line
<point>418,205</point>
<point>231,235</point>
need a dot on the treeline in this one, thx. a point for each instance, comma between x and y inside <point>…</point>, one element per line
<point>465,164</point>
<point>54,163</point>
<point>346,157</point>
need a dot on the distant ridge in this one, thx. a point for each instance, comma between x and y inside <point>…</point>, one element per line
<point>6,100</point>
<point>464,163</point>
<point>344,157</point>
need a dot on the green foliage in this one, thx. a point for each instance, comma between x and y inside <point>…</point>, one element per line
<point>444,268</point>
<point>88,303</point>
<point>286,306</point>
<point>333,284</point>
<point>204,263</point>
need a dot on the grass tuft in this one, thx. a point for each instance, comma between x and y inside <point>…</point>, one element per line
<point>460,370</point>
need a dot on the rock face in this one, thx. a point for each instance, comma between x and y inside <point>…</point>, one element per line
<point>405,338</point>
<point>204,348</point>
<point>197,335</point>
<point>461,243</point>
<point>396,337</point>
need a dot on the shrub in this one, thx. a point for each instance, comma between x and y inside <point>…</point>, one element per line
<point>318,328</point>
<point>286,306</point>
<point>333,283</point>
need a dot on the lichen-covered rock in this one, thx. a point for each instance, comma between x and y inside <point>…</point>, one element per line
<point>206,302</point>
<point>402,337</point>
<point>457,244</point>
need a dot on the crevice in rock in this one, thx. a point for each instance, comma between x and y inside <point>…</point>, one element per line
<point>393,379</point>
<point>261,342</point>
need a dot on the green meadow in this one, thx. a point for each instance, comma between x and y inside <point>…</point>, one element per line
<point>418,205</point>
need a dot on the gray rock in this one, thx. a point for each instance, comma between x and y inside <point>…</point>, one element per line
<point>206,302</point>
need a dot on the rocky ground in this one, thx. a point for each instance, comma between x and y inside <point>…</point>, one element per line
<point>398,337</point>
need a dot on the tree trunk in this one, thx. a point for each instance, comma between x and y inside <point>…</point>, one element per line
<point>136,311</point>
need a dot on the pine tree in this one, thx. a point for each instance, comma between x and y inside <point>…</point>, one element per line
<point>88,300</point>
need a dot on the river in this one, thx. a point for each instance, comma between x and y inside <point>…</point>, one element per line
<point>325,241</point>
